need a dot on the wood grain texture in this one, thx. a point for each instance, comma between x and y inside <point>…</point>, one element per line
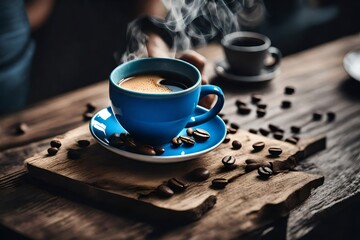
<point>110,179</point>
<point>321,85</point>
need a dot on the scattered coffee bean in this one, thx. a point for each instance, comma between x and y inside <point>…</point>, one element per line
<point>201,134</point>
<point>87,116</point>
<point>219,183</point>
<point>159,150</point>
<point>236,144</point>
<point>297,138</point>
<point>262,106</point>
<point>278,135</point>
<point>229,161</point>
<point>176,141</point>
<point>226,121</point>
<point>251,161</point>
<point>115,140</point>
<point>239,103</point>
<point>254,131</point>
<point>273,128</point>
<point>21,128</point>
<point>330,116</point>
<point>231,130</point>
<point>73,154</point>
<point>55,143</point>
<point>279,130</point>
<point>291,140</point>
<point>289,90</point>
<point>275,151</point>
<point>52,151</point>
<point>83,143</point>
<point>260,112</point>
<point>189,131</point>
<point>235,125</point>
<point>295,129</point>
<point>129,141</point>
<point>226,140</point>
<point>90,107</point>
<point>221,115</point>
<point>176,185</point>
<point>164,191</point>
<point>200,174</point>
<point>255,98</point>
<point>146,150</point>
<point>252,166</point>
<point>258,146</point>
<point>243,110</point>
<point>264,172</point>
<point>286,104</point>
<point>317,116</point>
<point>264,132</point>
<point>187,140</point>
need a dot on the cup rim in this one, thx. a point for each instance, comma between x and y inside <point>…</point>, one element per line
<point>146,94</point>
<point>225,41</point>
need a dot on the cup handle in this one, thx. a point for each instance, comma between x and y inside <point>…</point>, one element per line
<point>206,90</point>
<point>276,54</point>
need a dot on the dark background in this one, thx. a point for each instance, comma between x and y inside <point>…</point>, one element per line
<point>76,45</point>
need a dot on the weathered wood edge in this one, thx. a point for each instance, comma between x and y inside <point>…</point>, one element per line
<point>123,204</point>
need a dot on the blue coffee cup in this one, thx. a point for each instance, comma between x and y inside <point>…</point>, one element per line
<point>156,118</point>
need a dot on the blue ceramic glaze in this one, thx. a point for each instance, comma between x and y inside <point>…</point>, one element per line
<point>104,124</point>
<point>154,118</point>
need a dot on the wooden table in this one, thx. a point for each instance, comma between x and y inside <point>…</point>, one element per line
<point>36,210</point>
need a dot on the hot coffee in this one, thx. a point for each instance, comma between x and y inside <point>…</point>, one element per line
<point>247,42</point>
<point>155,83</point>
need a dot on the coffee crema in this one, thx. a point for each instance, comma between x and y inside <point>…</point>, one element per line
<point>151,84</point>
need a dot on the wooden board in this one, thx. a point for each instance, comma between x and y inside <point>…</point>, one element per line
<point>107,178</point>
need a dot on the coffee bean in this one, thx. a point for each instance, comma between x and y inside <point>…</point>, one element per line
<point>264,132</point>
<point>55,143</point>
<point>187,140</point>
<point>278,135</point>
<point>295,129</point>
<point>73,154</point>
<point>260,112</point>
<point>189,131</point>
<point>176,141</point>
<point>291,140</point>
<point>317,116</point>
<point>83,143</point>
<point>124,136</point>
<point>331,116</point>
<point>146,150</point>
<point>285,104</point>
<point>252,166</point>
<point>258,146</point>
<point>129,141</point>
<point>255,98</point>
<point>279,130</point>
<point>176,185</point>
<point>115,140</point>
<point>243,110</point>
<point>262,105</point>
<point>228,161</point>
<point>226,140</point>
<point>289,90</point>
<point>273,128</point>
<point>231,130</point>
<point>297,138</point>
<point>235,125</point>
<point>164,191</point>
<point>275,151</point>
<point>200,174</point>
<point>219,183</point>
<point>264,172</point>
<point>87,116</point>
<point>226,121</point>
<point>239,103</point>
<point>254,131</point>
<point>90,107</point>
<point>159,150</point>
<point>250,161</point>
<point>201,134</point>
<point>52,151</point>
<point>21,128</point>
<point>236,144</point>
<point>221,115</point>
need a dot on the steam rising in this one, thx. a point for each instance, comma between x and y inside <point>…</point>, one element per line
<point>196,22</point>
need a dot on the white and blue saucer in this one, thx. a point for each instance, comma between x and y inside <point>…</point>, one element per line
<point>104,124</point>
